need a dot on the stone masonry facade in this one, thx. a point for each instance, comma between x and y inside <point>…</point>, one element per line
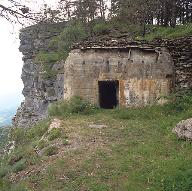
<point>144,75</point>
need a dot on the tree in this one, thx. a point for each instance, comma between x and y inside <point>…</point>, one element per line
<point>139,12</point>
<point>163,12</point>
<point>15,11</point>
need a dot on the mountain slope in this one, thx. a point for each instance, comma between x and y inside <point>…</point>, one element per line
<point>106,150</point>
<point>6,116</point>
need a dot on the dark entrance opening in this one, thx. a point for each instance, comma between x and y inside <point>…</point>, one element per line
<point>108,94</point>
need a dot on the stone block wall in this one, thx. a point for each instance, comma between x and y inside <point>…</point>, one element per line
<point>143,74</point>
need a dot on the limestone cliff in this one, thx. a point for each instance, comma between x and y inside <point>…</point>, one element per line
<point>38,90</point>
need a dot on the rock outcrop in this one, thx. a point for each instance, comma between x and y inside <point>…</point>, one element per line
<point>38,90</point>
<point>184,129</point>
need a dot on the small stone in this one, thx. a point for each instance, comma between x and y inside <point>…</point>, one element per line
<point>55,124</point>
<point>184,129</point>
<point>95,126</point>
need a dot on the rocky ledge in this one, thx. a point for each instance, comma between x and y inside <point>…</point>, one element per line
<point>38,90</point>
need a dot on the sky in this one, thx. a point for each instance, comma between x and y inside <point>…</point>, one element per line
<point>10,67</point>
<point>11,59</point>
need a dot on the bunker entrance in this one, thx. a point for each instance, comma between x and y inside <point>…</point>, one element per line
<point>108,94</point>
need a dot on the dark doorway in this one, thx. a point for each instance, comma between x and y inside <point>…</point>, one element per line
<point>108,94</point>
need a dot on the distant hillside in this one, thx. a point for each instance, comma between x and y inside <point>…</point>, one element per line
<point>8,107</point>
<point>7,115</point>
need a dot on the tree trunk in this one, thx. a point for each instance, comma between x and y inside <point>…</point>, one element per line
<point>173,13</point>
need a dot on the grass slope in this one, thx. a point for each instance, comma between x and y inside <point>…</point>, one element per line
<point>168,32</point>
<point>134,151</point>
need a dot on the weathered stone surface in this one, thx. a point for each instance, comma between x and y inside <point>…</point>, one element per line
<point>143,74</point>
<point>96,126</point>
<point>184,129</point>
<point>38,90</point>
<point>180,50</point>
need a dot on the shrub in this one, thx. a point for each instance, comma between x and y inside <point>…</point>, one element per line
<point>37,131</point>
<point>41,144</point>
<point>26,135</point>
<point>76,105</point>
<point>51,150</point>
<point>54,134</point>
<point>15,157</point>
<point>48,58</point>
<point>181,101</point>
<point>101,28</point>
<point>4,170</point>
<point>58,109</point>
<point>4,132</point>
<point>18,135</point>
<point>19,166</point>
<point>116,27</point>
<point>65,141</point>
<point>22,152</point>
<point>73,33</point>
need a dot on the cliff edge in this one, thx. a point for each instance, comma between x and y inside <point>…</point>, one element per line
<point>39,89</point>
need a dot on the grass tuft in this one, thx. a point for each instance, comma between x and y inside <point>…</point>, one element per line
<point>51,150</point>
<point>54,134</point>
<point>19,166</point>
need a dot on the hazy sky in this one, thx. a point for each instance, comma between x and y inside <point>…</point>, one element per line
<point>11,59</point>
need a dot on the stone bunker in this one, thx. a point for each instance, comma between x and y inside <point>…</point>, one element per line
<point>106,70</point>
<point>125,76</point>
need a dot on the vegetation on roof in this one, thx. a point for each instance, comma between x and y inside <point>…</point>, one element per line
<point>168,32</point>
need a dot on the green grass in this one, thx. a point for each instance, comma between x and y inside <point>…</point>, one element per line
<point>140,154</point>
<point>47,58</point>
<point>116,28</point>
<point>168,32</point>
<point>51,150</point>
<point>31,134</point>
<point>76,105</point>
<point>3,136</point>
<point>19,166</point>
<point>136,151</point>
<point>54,134</point>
